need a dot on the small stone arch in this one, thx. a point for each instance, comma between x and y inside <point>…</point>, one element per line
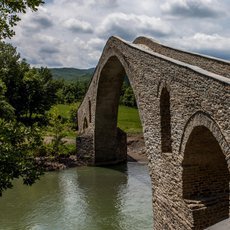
<point>90,111</point>
<point>165,117</point>
<point>85,123</point>
<point>201,118</point>
<point>205,175</point>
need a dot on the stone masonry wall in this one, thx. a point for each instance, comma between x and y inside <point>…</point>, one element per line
<point>211,64</point>
<point>197,98</point>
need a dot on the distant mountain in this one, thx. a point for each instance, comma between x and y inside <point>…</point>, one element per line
<point>72,74</point>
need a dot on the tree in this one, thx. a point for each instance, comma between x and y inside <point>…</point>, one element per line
<point>10,11</point>
<point>39,91</point>
<point>28,90</point>
<point>12,70</point>
<point>6,110</point>
<point>18,144</point>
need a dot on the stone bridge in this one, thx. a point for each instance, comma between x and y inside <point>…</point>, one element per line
<point>183,100</point>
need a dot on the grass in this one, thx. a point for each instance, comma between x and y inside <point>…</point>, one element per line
<point>64,109</point>
<point>128,120</point>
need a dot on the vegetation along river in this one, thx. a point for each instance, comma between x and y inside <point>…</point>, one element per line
<point>83,198</point>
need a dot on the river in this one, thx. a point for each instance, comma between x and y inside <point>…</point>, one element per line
<point>82,198</point>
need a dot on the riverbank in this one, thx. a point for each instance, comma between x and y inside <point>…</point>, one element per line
<point>136,148</point>
<point>135,153</point>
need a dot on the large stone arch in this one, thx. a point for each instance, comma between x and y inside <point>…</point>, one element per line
<point>205,175</point>
<point>109,141</point>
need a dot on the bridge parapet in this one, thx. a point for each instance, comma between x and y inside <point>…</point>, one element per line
<point>211,64</point>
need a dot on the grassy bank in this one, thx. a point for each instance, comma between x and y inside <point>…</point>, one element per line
<point>128,118</point>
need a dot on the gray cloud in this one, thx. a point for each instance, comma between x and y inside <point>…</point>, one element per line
<point>36,24</point>
<point>192,8</point>
<point>77,26</point>
<point>48,50</point>
<point>129,26</point>
<point>43,22</point>
<point>105,3</point>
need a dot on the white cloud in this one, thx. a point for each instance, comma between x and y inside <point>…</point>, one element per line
<point>129,26</point>
<point>74,32</point>
<point>206,41</point>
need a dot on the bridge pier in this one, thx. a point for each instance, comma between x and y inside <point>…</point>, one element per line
<point>114,152</point>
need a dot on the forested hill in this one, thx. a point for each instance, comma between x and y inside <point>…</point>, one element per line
<point>72,74</point>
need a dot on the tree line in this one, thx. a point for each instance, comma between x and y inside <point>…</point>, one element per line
<point>26,94</point>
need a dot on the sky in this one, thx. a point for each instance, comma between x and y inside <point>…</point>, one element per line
<point>72,33</point>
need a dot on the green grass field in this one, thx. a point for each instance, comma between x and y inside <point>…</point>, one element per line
<point>64,109</point>
<point>128,118</point>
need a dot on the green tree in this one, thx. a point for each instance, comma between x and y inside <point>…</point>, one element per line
<point>6,110</point>
<point>39,91</point>
<point>127,96</point>
<point>18,144</point>
<point>10,10</point>
<point>12,70</point>
<point>28,91</point>
<point>70,92</point>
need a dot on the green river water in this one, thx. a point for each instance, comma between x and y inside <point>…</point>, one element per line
<point>83,198</point>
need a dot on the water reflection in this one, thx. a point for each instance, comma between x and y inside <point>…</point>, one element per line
<point>102,188</point>
<point>87,198</point>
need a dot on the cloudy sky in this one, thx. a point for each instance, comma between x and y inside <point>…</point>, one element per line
<point>72,33</point>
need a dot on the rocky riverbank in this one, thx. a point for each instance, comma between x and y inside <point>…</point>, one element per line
<point>136,148</point>
<point>135,153</point>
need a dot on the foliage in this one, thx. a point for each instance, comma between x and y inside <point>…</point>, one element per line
<point>68,118</point>
<point>6,110</point>
<point>73,117</point>
<point>18,84</point>
<point>127,96</point>
<point>39,91</point>
<point>57,146</point>
<point>9,16</point>
<point>28,90</point>
<point>70,92</point>
<point>18,143</point>
<point>72,74</point>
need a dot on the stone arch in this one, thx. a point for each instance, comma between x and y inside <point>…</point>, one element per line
<point>90,111</point>
<point>85,123</point>
<point>110,145</point>
<point>205,175</point>
<point>109,141</point>
<point>165,116</point>
<point>201,118</point>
